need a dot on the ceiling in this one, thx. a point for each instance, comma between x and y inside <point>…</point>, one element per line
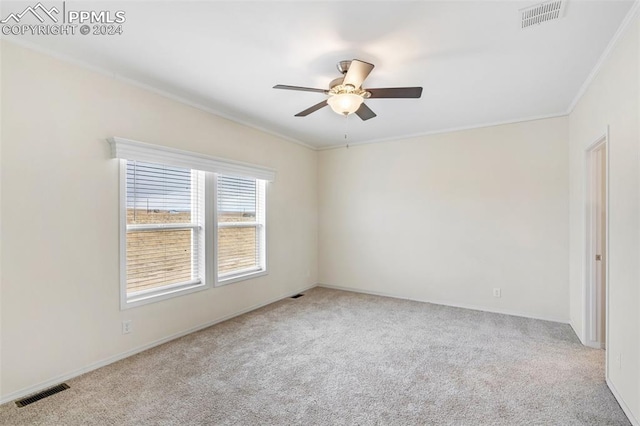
<point>476,65</point>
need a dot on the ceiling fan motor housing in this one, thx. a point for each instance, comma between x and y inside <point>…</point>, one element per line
<point>343,66</point>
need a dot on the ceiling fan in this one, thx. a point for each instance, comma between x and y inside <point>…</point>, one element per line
<point>346,94</point>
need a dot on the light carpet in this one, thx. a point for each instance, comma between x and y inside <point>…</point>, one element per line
<point>335,357</point>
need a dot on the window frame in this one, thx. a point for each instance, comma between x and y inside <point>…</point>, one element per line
<point>261,229</point>
<point>205,223</point>
<point>127,149</point>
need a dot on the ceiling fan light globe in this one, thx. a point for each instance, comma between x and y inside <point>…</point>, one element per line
<point>345,103</point>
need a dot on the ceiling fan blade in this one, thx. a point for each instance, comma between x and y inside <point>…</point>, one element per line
<point>396,92</point>
<point>312,109</point>
<point>358,71</point>
<point>301,89</point>
<point>365,113</point>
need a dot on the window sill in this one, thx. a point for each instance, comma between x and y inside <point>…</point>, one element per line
<point>241,277</point>
<point>165,293</point>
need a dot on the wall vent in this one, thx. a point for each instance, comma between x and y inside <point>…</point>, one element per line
<point>41,395</point>
<point>541,13</point>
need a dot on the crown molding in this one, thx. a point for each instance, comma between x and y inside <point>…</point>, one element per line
<point>631,14</point>
<point>153,89</point>
<point>448,130</point>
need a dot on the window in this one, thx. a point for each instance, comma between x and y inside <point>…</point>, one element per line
<point>164,230</point>
<point>241,247</point>
<point>187,221</point>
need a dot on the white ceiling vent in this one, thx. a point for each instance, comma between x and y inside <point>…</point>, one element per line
<point>541,13</point>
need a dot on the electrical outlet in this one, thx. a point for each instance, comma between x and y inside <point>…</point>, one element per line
<point>497,292</point>
<point>127,327</point>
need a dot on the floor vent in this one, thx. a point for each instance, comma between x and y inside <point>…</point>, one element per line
<point>541,13</point>
<point>41,395</point>
<point>297,295</point>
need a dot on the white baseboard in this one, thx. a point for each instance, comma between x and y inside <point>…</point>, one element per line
<point>623,404</point>
<point>587,343</point>
<point>70,375</point>
<point>594,345</point>
<point>578,335</point>
<point>453,305</point>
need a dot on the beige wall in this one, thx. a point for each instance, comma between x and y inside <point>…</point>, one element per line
<point>60,289</point>
<point>612,99</point>
<point>447,218</point>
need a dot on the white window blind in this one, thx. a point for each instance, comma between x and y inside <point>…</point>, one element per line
<point>164,235</point>
<point>241,226</point>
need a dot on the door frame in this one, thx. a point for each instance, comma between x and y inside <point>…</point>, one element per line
<point>590,337</point>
